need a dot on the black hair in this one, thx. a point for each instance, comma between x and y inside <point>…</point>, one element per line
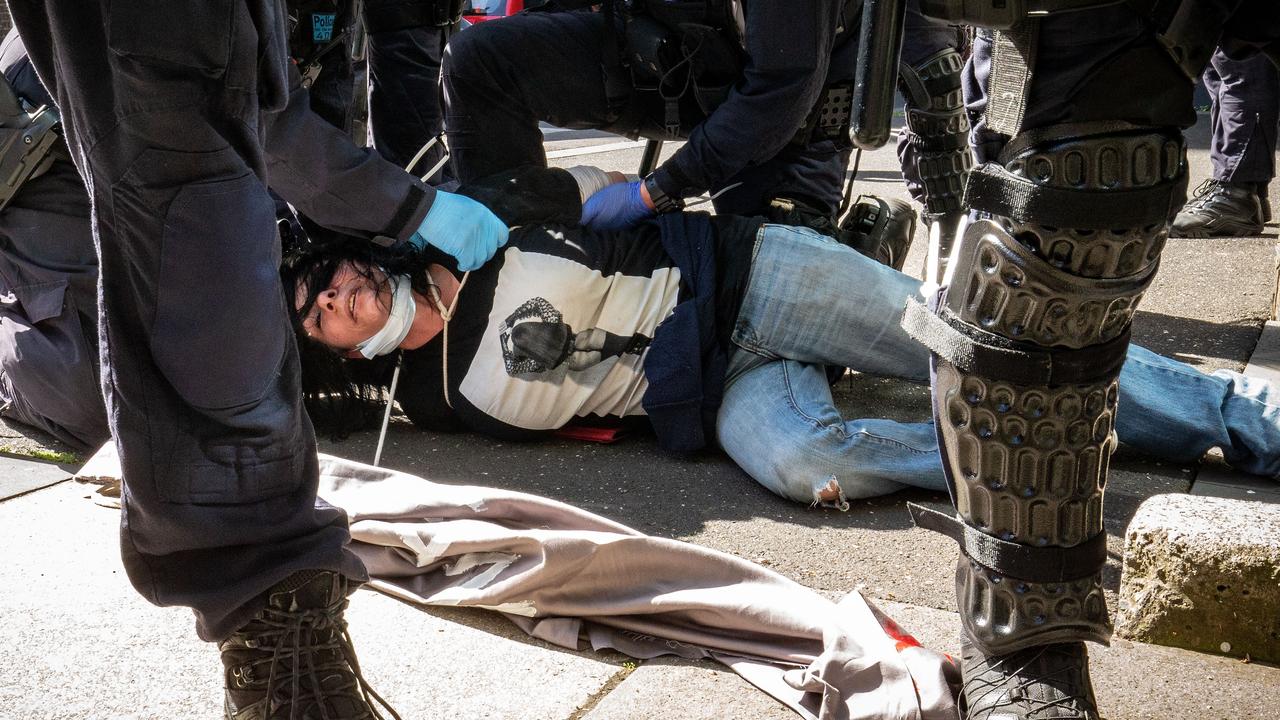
<point>343,395</point>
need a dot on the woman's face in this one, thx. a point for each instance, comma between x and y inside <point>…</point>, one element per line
<point>352,309</point>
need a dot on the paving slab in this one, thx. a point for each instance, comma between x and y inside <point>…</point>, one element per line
<point>1264,362</point>
<point>670,689</point>
<point>18,476</point>
<point>80,643</point>
<point>1215,479</point>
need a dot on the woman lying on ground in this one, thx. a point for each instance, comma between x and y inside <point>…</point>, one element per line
<point>714,327</point>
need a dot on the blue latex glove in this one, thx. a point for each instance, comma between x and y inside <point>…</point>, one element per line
<point>463,228</point>
<point>615,207</point>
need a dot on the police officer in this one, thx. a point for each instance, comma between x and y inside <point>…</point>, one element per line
<point>1077,110</point>
<point>49,272</point>
<point>175,114</point>
<point>758,88</point>
<point>1244,108</point>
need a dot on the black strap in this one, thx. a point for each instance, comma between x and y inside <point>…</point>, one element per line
<point>404,15</point>
<point>913,87</point>
<point>977,351</point>
<point>994,190</point>
<point>1013,62</point>
<point>1022,562</point>
<point>932,142</point>
<point>412,201</point>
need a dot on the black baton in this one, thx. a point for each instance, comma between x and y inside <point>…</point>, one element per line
<point>879,51</point>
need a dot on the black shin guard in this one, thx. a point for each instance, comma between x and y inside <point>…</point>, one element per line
<point>1028,340</point>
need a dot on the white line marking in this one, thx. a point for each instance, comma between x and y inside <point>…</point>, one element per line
<point>593,149</point>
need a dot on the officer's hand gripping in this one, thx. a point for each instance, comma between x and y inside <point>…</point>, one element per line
<point>463,228</point>
<point>616,206</point>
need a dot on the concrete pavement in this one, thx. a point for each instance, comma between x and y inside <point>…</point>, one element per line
<point>79,643</point>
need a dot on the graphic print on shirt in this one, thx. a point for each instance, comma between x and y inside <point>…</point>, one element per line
<point>535,340</point>
<point>564,339</point>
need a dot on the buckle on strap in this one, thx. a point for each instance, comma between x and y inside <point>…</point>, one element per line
<point>1024,562</point>
<point>977,351</point>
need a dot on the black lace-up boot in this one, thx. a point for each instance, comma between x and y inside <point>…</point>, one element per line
<point>294,660</point>
<point>1046,682</point>
<point>1220,209</point>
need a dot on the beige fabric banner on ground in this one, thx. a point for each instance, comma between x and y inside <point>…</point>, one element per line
<point>570,577</point>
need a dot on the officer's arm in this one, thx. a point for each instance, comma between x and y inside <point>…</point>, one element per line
<point>317,168</point>
<point>789,49</point>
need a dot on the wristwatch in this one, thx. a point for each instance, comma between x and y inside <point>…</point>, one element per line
<point>662,202</point>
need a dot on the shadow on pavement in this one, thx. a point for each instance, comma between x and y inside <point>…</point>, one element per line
<point>1192,341</point>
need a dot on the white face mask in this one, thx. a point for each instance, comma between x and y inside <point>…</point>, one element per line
<point>403,309</point>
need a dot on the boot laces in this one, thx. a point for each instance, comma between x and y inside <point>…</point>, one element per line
<point>1008,675</point>
<point>313,644</point>
<point>1204,193</point>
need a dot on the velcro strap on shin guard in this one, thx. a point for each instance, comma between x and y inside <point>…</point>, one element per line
<point>1024,562</point>
<point>978,352</point>
<point>993,189</point>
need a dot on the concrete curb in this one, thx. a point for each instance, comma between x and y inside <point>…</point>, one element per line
<point>1203,573</point>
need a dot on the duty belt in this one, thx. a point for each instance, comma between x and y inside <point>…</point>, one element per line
<point>30,141</point>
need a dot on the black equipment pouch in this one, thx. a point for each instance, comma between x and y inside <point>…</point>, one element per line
<point>414,14</point>
<point>30,141</point>
<point>680,48</point>
<point>832,115</point>
<point>1188,29</point>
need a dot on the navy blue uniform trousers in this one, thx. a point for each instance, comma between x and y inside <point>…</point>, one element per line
<point>1244,111</point>
<point>163,105</point>
<point>404,91</point>
<point>48,292</point>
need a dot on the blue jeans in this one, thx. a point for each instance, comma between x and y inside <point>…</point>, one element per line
<point>812,302</point>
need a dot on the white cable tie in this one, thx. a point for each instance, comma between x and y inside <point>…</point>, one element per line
<point>721,191</point>
<point>436,169</point>
<point>421,152</point>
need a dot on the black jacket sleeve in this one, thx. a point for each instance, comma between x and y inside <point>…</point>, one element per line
<point>321,172</point>
<point>527,195</point>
